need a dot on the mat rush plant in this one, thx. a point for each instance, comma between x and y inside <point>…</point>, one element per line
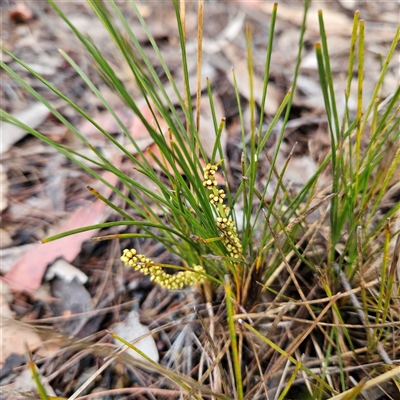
<point>228,234</point>
<point>291,307</point>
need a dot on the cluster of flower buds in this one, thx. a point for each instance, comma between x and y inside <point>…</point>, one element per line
<point>217,198</point>
<point>225,225</point>
<point>139,262</point>
<point>209,176</point>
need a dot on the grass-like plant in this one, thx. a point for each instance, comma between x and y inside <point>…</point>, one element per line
<point>195,218</point>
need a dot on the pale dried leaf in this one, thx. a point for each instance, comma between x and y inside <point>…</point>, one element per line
<point>43,69</point>
<point>26,383</point>
<point>5,240</point>
<point>3,192</point>
<point>65,271</point>
<point>131,329</point>
<point>6,292</point>
<point>15,336</point>
<point>300,170</point>
<point>308,93</point>
<point>350,5</point>
<point>73,296</point>
<point>234,27</point>
<point>32,116</point>
<point>228,34</point>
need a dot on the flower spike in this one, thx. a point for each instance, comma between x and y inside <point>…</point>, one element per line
<point>139,262</point>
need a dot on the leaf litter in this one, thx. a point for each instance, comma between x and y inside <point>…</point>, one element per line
<point>225,50</point>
